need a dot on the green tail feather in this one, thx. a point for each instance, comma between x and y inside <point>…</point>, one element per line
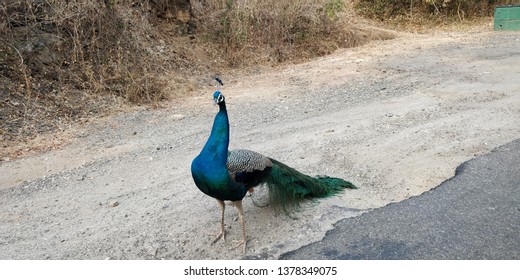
<point>288,187</point>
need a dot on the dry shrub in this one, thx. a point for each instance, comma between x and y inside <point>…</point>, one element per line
<point>88,44</point>
<point>67,59</point>
<point>270,30</point>
<point>431,10</point>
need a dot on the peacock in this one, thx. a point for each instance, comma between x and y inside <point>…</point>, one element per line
<point>228,175</point>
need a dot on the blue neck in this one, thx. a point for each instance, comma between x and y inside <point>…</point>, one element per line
<point>216,149</point>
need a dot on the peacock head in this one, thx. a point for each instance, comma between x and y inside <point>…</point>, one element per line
<point>218,97</point>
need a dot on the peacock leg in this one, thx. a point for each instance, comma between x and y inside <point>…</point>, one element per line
<point>222,233</point>
<point>238,205</point>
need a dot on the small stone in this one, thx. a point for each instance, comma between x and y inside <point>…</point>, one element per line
<point>329,130</point>
<point>389,115</point>
<point>114,203</point>
<point>177,117</point>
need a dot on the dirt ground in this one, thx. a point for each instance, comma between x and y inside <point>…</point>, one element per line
<point>395,117</point>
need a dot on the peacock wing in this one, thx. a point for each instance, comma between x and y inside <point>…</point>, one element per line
<point>248,167</point>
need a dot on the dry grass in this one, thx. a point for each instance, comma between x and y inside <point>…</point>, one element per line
<point>68,60</point>
<point>428,12</point>
<point>86,44</point>
<point>270,31</point>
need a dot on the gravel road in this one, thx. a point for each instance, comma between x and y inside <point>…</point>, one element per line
<point>395,117</point>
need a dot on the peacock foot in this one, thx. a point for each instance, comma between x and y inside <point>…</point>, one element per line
<point>220,235</point>
<point>239,243</point>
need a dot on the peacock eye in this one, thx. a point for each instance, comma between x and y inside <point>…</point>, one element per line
<point>220,98</point>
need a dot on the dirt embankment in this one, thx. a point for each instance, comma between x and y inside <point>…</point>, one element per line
<point>395,117</point>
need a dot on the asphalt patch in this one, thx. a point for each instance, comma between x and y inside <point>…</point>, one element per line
<point>473,215</point>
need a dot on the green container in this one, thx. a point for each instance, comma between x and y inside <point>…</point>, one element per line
<point>507,18</point>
